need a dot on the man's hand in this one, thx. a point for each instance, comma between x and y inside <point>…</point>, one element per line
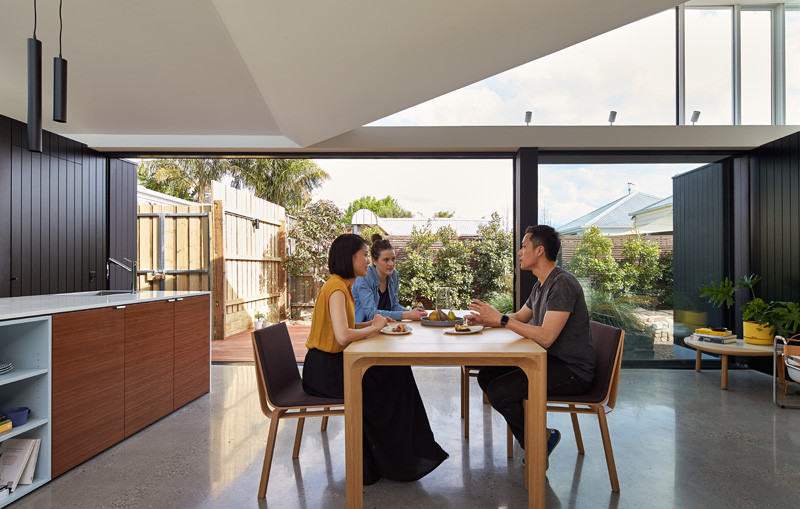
<point>483,314</point>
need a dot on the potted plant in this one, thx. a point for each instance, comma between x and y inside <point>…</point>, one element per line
<point>761,319</point>
<point>259,318</point>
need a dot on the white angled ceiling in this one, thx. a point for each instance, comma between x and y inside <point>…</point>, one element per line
<point>284,74</point>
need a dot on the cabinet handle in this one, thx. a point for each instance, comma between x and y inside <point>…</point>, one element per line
<point>170,300</point>
<point>180,298</point>
<point>121,307</point>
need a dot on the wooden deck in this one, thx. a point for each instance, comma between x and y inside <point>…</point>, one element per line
<point>239,347</point>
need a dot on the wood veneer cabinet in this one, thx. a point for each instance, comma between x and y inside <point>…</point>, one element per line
<point>88,385</point>
<point>192,349</point>
<point>148,363</point>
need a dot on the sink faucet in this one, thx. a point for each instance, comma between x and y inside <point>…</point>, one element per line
<point>131,269</point>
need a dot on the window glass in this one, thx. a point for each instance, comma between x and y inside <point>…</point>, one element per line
<point>756,67</point>
<point>630,70</point>
<point>709,65</point>
<point>792,67</point>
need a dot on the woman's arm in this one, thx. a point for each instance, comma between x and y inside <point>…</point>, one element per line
<point>341,330</point>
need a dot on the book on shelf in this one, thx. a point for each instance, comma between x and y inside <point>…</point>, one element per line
<point>30,466</point>
<point>713,331</point>
<point>14,456</point>
<point>5,425</point>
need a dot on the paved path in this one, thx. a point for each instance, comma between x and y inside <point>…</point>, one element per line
<point>239,347</point>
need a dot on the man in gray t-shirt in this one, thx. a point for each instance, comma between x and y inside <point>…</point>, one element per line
<point>555,316</point>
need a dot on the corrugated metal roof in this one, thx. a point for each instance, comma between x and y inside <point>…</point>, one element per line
<point>612,215</point>
<point>404,225</point>
<point>657,205</point>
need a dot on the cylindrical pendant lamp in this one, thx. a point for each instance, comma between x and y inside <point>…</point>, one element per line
<point>34,95</point>
<point>59,89</point>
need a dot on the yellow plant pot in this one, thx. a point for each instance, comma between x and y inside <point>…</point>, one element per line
<point>758,333</point>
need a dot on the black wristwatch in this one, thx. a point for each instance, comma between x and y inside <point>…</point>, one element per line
<point>503,320</point>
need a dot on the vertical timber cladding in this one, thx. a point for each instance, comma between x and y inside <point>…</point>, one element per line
<point>52,214</point>
<point>180,252</point>
<point>775,193</point>
<point>253,253</point>
<point>701,254</point>
<point>122,183</point>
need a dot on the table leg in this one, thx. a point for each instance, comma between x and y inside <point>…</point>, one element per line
<point>535,439</point>
<point>353,420</point>
<point>724,372</point>
<point>697,361</point>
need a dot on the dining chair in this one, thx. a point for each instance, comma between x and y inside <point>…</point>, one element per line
<point>468,372</point>
<point>787,363</point>
<point>601,397</point>
<point>280,391</point>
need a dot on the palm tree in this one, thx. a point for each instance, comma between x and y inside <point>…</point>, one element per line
<point>287,182</point>
<point>185,178</point>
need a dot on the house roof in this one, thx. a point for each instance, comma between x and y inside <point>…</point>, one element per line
<point>615,214</point>
<point>404,226</point>
<point>665,203</point>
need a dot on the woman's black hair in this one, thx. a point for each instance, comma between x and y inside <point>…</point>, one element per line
<point>379,245</point>
<point>340,256</point>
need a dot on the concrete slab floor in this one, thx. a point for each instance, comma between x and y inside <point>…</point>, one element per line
<point>678,439</point>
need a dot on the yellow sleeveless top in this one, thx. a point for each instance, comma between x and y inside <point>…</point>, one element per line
<point>321,336</point>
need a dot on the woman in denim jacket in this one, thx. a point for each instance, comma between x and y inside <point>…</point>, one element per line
<point>377,291</point>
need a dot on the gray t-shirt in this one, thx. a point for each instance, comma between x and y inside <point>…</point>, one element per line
<point>562,292</point>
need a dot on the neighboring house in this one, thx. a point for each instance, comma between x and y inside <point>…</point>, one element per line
<point>401,226</point>
<point>613,218</point>
<point>655,218</point>
<point>145,196</point>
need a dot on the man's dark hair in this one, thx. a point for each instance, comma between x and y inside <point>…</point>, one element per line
<point>340,256</point>
<point>544,235</point>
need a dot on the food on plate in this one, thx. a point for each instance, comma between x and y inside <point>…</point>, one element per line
<point>400,327</point>
<point>434,316</point>
<point>462,328</point>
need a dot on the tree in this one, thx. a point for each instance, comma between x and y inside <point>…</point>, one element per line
<point>317,226</point>
<point>443,213</point>
<point>184,178</point>
<point>640,265</point>
<point>286,182</point>
<point>592,259</point>
<point>494,258</point>
<point>387,207</point>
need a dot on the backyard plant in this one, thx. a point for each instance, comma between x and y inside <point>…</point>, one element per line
<point>312,234</point>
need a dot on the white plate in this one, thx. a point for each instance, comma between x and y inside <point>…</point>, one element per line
<point>472,330</point>
<point>388,330</point>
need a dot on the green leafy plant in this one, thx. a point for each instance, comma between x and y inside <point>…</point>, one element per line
<point>316,227</point>
<point>258,315</point>
<point>503,302</point>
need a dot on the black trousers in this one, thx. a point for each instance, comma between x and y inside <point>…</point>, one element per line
<point>398,441</point>
<point>507,386</point>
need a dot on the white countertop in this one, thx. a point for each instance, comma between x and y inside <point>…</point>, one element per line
<point>37,305</point>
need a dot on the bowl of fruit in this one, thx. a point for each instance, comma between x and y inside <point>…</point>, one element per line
<point>439,318</point>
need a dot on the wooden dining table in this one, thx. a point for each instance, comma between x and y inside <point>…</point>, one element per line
<point>431,346</point>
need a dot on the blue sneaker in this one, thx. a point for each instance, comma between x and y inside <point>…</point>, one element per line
<point>552,442</point>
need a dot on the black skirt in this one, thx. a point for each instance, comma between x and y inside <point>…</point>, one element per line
<point>398,441</point>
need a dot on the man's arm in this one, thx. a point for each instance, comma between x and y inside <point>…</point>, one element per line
<point>545,335</point>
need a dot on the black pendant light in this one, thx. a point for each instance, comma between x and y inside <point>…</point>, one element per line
<point>59,77</point>
<point>34,90</point>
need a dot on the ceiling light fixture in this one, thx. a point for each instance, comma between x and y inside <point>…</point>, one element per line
<point>59,77</point>
<point>612,117</point>
<point>528,115</point>
<point>695,116</point>
<point>34,90</point>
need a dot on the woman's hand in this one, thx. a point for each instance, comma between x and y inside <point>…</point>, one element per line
<point>415,314</point>
<point>379,322</point>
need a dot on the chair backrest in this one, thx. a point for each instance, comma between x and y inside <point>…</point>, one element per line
<point>608,343</point>
<point>275,364</point>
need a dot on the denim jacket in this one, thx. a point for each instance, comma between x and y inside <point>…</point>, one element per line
<point>365,293</point>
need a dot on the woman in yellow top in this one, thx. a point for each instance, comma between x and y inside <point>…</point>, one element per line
<point>398,441</point>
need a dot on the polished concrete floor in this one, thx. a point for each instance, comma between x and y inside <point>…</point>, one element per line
<point>679,441</point>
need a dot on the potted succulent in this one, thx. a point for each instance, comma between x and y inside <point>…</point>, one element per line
<point>761,319</point>
<point>259,319</point>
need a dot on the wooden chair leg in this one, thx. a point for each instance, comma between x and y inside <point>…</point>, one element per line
<point>509,443</point>
<point>324,425</point>
<point>612,468</point>
<point>463,376</point>
<point>298,436</point>
<point>273,432</point>
<point>577,430</point>
<point>485,399</point>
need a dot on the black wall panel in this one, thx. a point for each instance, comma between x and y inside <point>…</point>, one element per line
<point>122,220</point>
<point>54,213</point>
<point>526,213</point>
<point>701,220</point>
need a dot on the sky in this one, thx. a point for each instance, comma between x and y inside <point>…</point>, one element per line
<point>630,70</point>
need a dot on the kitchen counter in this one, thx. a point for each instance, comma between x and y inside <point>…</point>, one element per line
<point>37,305</point>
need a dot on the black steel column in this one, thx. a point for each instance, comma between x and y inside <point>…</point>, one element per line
<point>526,212</point>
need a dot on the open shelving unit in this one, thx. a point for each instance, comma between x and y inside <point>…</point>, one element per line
<point>26,343</point>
